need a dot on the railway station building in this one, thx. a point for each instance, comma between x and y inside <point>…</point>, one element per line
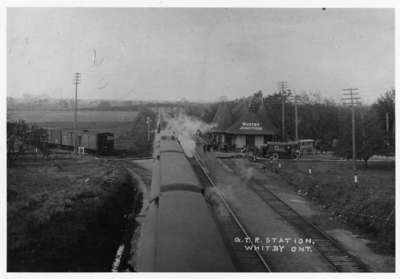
<point>252,129</point>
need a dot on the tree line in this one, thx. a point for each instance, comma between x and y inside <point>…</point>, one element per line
<point>324,120</point>
<point>23,138</point>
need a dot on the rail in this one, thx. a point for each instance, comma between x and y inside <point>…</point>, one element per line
<point>246,261</point>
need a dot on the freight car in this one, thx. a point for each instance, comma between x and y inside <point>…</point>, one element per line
<point>181,233</point>
<point>54,136</point>
<point>101,143</point>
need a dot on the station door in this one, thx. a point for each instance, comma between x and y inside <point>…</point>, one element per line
<point>250,141</point>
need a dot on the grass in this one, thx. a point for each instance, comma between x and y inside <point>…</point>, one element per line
<point>67,219</point>
<point>367,206</point>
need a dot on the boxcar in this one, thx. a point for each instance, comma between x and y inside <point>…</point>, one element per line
<point>54,136</point>
<point>105,143</point>
<point>67,137</point>
<point>102,143</point>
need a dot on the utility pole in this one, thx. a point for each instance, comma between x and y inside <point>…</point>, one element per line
<point>296,119</point>
<point>295,99</point>
<point>282,91</point>
<point>352,98</point>
<point>362,124</point>
<point>387,122</point>
<point>76,81</point>
<point>148,121</point>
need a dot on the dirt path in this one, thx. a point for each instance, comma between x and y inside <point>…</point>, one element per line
<point>142,175</point>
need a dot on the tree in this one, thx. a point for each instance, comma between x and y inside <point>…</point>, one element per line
<point>20,135</point>
<point>38,139</point>
<point>209,112</point>
<point>104,105</point>
<point>128,103</point>
<point>373,137</point>
<point>16,134</point>
<point>386,105</point>
<point>63,104</point>
<point>370,138</point>
<point>318,119</point>
<point>138,135</point>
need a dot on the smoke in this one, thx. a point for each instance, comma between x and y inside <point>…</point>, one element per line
<point>226,191</point>
<point>248,174</point>
<point>185,128</point>
<point>245,172</point>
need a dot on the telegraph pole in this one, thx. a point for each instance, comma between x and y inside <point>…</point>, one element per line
<point>76,81</point>
<point>282,91</point>
<point>148,121</point>
<point>294,98</point>
<point>362,124</point>
<point>296,120</point>
<point>351,97</point>
<point>387,122</point>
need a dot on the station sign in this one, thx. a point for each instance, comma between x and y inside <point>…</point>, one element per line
<point>251,126</point>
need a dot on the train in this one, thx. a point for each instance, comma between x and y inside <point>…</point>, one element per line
<point>100,143</point>
<point>180,233</point>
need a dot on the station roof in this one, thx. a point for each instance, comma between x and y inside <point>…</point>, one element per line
<point>223,118</point>
<point>253,123</point>
<point>239,108</point>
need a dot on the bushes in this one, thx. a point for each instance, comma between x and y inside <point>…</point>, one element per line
<point>71,229</point>
<point>136,140</point>
<point>366,207</point>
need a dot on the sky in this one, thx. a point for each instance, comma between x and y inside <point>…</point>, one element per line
<point>198,54</point>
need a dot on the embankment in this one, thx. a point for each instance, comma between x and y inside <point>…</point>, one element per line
<point>69,216</point>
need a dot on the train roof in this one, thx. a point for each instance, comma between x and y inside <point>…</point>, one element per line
<point>177,173</point>
<point>169,145</point>
<point>188,239</point>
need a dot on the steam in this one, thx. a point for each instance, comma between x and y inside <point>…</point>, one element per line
<point>245,172</point>
<point>227,191</point>
<point>185,128</point>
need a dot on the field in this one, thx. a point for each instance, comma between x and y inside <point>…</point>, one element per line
<point>368,206</point>
<point>40,116</point>
<point>66,214</point>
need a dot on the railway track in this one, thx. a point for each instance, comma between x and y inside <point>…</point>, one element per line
<point>246,261</point>
<point>328,247</point>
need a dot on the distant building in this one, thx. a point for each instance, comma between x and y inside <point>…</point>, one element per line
<point>253,127</point>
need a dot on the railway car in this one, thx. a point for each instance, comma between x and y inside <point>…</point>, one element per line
<point>169,145</point>
<point>180,232</point>
<point>54,136</point>
<point>102,143</point>
<point>177,173</point>
<point>189,239</point>
<point>67,137</point>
